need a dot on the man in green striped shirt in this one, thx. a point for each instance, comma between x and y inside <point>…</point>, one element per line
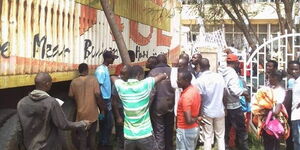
<point>135,96</point>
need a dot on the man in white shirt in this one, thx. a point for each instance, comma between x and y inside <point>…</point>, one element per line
<point>294,69</point>
<point>212,86</point>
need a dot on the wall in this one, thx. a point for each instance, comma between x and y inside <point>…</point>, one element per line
<point>56,35</point>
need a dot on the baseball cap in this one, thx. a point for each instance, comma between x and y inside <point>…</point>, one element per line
<point>232,57</point>
<point>109,54</point>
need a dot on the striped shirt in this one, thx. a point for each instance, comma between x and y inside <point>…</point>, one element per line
<point>135,96</point>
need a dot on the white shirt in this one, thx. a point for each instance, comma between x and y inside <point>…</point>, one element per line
<point>173,78</point>
<point>296,100</point>
<point>279,94</point>
<point>212,86</point>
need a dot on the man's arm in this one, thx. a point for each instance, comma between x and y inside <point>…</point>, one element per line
<point>160,76</point>
<point>277,109</point>
<point>115,107</point>
<point>189,119</point>
<point>235,89</point>
<point>100,103</point>
<point>114,78</point>
<point>246,95</point>
<point>60,120</point>
<point>100,75</point>
<point>20,137</point>
<point>224,97</point>
<point>288,99</point>
<point>97,93</point>
<point>71,94</point>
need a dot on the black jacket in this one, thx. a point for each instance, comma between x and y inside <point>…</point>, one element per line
<point>163,94</point>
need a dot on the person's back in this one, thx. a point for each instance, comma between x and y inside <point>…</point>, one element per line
<point>162,107</point>
<point>86,93</point>
<point>35,116</point>
<point>212,86</point>
<point>41,117</point>
<point>235,117</point>
<point>83,90</point>
<point>135,97</point>
<point>233,90</point>
<point>164,93</point>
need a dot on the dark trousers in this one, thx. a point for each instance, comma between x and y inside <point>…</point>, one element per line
<point>163,127</point>
<point>147,143</point>
<point>235,118</point>
<point>270,142</point>
<point>86,139</point>
<point>289,141</point>
<point>120,132</point>
<point>106,128</point>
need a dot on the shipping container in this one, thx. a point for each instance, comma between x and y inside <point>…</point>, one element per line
<point>55,36</point>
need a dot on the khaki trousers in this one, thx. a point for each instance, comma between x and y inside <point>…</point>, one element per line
<point>216,128</point>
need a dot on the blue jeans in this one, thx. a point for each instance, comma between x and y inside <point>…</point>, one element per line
<point>106,125</point>
<point>186,139</point>
<point>296,133</point>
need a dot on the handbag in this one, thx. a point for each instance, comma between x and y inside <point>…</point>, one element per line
<point>273,126</point>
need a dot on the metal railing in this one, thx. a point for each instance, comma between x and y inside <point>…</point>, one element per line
<point>281,48</point>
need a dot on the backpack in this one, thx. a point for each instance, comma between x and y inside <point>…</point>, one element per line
<point>273,126</point>
<point>277,126</point>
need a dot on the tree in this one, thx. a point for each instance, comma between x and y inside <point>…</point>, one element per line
<point>236,10</point>
<point>286,22</point>
<point>115,31</point>
<point>213,11</point>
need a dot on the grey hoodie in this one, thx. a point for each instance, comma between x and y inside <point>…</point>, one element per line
<point>40,118</point>
<point>233,89</point>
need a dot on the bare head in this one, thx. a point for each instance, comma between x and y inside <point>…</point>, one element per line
<point>83,69</point>
<point>125,72</point>
<point>184,78</point>
<point>184,55</point>
<point>294,69</point>
<point>151,62</point>
<point>43,81</point>
<point>196,58</point>
<point>183,63</point>
<point>162,59</point>
<point>204,64</point>
<point>136,72</point>
<point>271,66</point>
<point>275,78</point>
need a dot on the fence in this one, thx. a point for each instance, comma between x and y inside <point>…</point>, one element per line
<point>282,49</point>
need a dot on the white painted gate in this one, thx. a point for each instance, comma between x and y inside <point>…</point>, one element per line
<point>277,49</point>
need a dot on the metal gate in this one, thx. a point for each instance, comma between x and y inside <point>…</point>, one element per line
<point>282,48</point>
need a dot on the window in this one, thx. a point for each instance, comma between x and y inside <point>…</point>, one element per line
<point>228,27</point>
<point>263,28</point>
<point>274,28</point>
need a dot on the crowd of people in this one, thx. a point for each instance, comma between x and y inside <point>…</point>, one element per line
<point>149,109</point>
